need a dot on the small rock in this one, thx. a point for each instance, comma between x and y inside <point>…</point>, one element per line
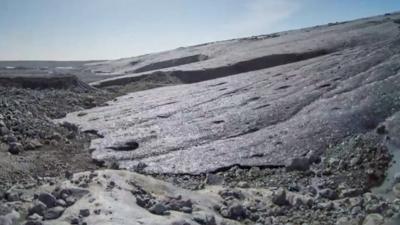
<point>4,131</point>
<point>355,201</point>
<point>343,220</point>
<point>204,219</point>
<point>56,136</point>
<point>254,171</point>
<point>180,222</point>
<point>178,204</point>
<point>328,194</point>
<point>70,126</point>
<point>75,220</point>
<point>227,193</point>
<point>68,175</point>
<point>381,129</point>
<point>4,147</point>
<point>12,196</point>
<point>38,208</point>
<point>84,212</point>
<point>396,178</point>
<point>348,221</point>
<point>299,200</point>
<point>326,206</point>
<point>32,222</point>
<point>61,202</point>
<point>15,148</point>
<point>9,218</point>
<point>2,194</point>
<point>355,161</point>
<point>313,157</point>
<point>243,184</point>
<point>356,210</point>
<point>237,212</point>
<point>396,190</point>
<point>158,209</point>
<point>70,200</point>
<point>35,217</point>
<point>348,193</point>
<point>368,197</point>
<point>97,211</point>
<point>53,213</point>
<point>299,163</point>
<point>186,209</point>
<point>82,114</point>
<point>53,143</point>
<point>33,144</point>
<point>140,167</point>
<point>376,208</point>
<point>214,179</point>
<point>293,188</point>
<point>11,139</point>
<point>279,197</point>
<point>71,135</point>
<point>333,162</point>
<point>373,219</point>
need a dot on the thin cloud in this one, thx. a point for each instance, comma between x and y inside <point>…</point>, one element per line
<point>261,15</point>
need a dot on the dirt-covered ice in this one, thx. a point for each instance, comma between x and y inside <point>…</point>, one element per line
<point>282,96</point>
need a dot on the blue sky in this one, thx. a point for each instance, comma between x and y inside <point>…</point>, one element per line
<point>110,29</point>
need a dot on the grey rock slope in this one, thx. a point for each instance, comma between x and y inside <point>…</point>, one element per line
<point>276,97</point>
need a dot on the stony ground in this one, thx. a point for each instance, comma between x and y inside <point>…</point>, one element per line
<point>299,137</point>
<point>330,189</point>
<point>31,144</point>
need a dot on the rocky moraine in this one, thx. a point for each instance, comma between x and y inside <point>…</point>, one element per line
<point>293,128</point>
